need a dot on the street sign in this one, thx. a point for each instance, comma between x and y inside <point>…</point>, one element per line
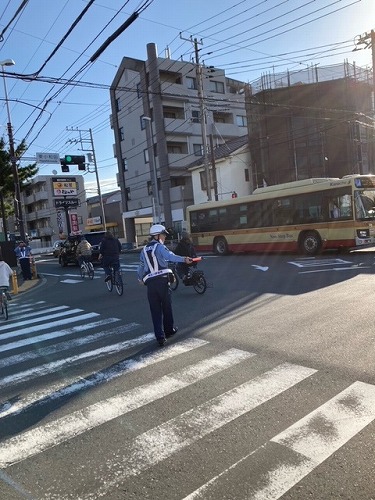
<point>67,203</point>
<point>48,158</point>
<point>65,187</point>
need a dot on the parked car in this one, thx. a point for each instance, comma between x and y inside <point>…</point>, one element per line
<point>69,247</point>
<point>56,248</point>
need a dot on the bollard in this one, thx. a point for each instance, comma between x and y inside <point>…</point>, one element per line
<point>33,269</point>
<point>14,283</point>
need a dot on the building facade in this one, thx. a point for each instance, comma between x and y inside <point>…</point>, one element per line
<point>311,124</point>
<point>54,206</point>
<point>156,119</point>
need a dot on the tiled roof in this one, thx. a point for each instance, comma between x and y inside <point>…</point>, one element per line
<point>223,150</point>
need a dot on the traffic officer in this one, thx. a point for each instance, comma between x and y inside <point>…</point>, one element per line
<point>154,273</point>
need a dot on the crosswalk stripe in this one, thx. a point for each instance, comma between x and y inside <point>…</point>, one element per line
<point>342,416</point>
<point>47,326</point>
<point>37,440</point>
<point>71,386</point>
<point>314,438</point>
<point>161,442</point>
<point>61,346</point>
<point>31,313</point>
<point>9,326</point>
<point>52,367</point>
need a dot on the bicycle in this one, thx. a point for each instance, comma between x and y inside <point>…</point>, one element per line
<point>115,281</point>
<point>87,268</point>
<point>194,278</point>
<point>4,304</point>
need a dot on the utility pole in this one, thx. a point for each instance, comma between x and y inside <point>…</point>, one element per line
<point>93,158</point>
<point>202,111</point>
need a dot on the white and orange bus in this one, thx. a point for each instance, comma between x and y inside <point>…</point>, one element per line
<point>306,216</point>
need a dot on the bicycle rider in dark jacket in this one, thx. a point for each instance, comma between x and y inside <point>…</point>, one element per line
<point>184,247</point>
<point>110,249</point>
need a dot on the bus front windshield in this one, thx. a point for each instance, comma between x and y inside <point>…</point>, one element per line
<point>365,203</point>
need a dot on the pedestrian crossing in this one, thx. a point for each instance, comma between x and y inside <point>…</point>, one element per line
<point>163,409</point>
<point>73,276</point>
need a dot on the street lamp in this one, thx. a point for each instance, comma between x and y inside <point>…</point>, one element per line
<point>17,190</point>
<point>151,159</point>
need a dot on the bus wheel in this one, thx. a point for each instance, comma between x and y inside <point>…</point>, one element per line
<point>310,243</point>
<point>220,246</point>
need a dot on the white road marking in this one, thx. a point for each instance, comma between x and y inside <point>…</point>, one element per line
<point>71,386</point>
<point>260,268</point>
<point>341,418</point>
<point>47,326</point>
<point>351,268</point>
<point>37,440</point>
<point>31,313</point>
<point>62,346</point>
<point>52,367</point>
<point>161,442</point>
<point>17,324</point>
<point>314,438</point>
<point>319,262</point>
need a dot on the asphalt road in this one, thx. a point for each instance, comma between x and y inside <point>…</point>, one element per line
<point>267,390</point>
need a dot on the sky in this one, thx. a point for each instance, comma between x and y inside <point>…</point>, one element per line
<point>246,38</point>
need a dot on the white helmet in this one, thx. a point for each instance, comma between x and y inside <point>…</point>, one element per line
<point>157,229</point>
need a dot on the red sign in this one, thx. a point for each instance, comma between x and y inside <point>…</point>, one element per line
<point>74,226</point>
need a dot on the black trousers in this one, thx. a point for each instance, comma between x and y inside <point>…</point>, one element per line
<point>160,300</point>
<point>26,268</point>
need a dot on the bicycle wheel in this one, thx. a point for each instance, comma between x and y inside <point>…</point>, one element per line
<point>119,284</point>
<point>109,283</point>
<point>90,270</point>
<point>174,285</point>
<point>82,271</point>
<point>200,284</point>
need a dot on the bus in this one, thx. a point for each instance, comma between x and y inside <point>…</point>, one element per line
<point>306,216</point>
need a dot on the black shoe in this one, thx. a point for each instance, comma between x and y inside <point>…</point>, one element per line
<point>107,278</point>
<point>162,342</point>
<point>174,331</point>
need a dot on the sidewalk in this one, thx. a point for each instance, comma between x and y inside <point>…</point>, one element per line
<point>25,286</point>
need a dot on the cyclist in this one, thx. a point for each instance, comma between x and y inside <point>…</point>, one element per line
<point>5,274</point>
<point>110,249</point>
<point>153,272</point>
<point>184,247</point>
<point>83,251</point>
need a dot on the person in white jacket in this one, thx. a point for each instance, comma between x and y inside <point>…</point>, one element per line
<point>5,275</point>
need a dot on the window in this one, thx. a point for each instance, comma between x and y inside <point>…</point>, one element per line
<point>191,83</point>
<point>247,176</point>
<point>121,133</point>
<point>174,148</point>
<point>124,165</point>
<point>149,188</point>
<point>203,180</point>
<point>143,122</point>
<point>217,87</point>
<point>195,117</point>
<point>241,121</point>
<point>118,105</point>
<point>139,92</point>
<point>198,149</point>
<point>128,195</point>
<point>145,155</point>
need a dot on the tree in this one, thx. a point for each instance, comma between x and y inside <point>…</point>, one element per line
<point>25,173</point>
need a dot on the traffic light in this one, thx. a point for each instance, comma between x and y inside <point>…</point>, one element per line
<point>74,160</point>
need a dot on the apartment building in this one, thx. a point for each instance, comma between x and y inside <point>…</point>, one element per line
<point>316,122</point>
<point>54,206</point>
<point>156,119</point>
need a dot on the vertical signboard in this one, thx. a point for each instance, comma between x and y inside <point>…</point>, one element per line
<point>74,222</point>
